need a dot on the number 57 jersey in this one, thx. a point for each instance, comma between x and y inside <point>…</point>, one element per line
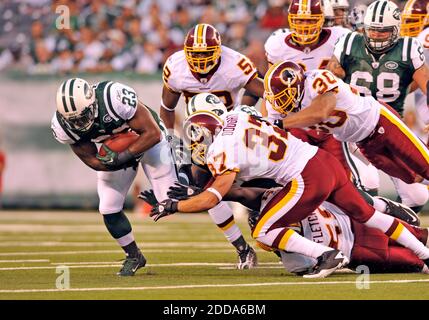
<point>254,148</point>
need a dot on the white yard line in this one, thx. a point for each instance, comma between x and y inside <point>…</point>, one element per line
<point>201,286</point>
<point>15,261</point>
<point>53,253</point>
<point>81,265</point>
<point>144,244</point>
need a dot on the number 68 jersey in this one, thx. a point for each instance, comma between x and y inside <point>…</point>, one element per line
<point>233,72</point>
<point>254,148</point>
<point>353,118</point>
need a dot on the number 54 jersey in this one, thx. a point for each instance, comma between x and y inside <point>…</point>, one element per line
<point>233,73</point>
<point>254,148</point>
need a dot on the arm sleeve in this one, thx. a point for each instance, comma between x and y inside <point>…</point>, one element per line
<point>417,55</point>
<point>340,47</point>
<point>124,100</point>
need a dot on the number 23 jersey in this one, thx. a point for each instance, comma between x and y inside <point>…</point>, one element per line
<point>234,72</point>
<point>254,148</point>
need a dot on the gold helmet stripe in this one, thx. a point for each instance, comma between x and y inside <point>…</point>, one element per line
<point>408,6</point>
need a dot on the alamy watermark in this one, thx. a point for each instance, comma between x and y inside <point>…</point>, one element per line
<point>63,19</point>
<point>63,280</point>
<point>363,279</point>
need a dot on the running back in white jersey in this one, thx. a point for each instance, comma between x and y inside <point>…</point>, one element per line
<point>421,102</point>
<point>234,72</point>
<point>354,116</point>
<point>254,148</point>
<point>279,47</point>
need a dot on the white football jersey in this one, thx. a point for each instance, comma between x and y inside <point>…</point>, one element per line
<point>327,225</point>
<point>278,47</point>
<point>354,117</point>
<point>234,72</point>
<point>421,102</point>
<point>254,148</point>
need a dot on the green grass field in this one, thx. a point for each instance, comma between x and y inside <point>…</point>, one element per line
<point>188,258</point>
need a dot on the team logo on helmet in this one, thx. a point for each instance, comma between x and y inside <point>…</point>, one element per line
<point>397,14</point>
<point>212,99</point>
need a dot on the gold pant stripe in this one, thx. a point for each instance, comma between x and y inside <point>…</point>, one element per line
<point>283,202</point>
<point>398,123</point>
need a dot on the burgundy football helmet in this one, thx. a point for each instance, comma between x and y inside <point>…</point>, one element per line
<point>415,18</point>
<point>202,48</point>
<point>306,20</point>
<point>284,86</point>
<point>199,130</point>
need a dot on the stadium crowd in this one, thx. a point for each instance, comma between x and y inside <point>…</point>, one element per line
<point>127,35</point>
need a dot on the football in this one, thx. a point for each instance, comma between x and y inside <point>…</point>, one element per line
<point>119,142</point>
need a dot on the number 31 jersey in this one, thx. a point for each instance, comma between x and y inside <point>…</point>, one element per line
<point>254,148</point>
<point>386,79</point>
<point>233,73</point>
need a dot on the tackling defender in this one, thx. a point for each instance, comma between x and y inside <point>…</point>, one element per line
<point>244,147</point>
<point>87,115</point>
<point>381,64</point>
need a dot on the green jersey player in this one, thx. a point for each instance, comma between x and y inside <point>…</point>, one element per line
<point>379,62</point>
<point>88,115</point>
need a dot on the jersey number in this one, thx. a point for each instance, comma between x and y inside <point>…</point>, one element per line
<point>322,84</point>
<point>387,84</point>
<point>129,97</point>
<point>254,137</point>
<point>245,65</point>
<point>326,127</point>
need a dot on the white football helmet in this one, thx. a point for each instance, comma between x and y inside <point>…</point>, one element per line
<point>248,109</point>
<point>205,101</point>
<point>341,11</point>
<point>382,16</point>
<point>328,11</point>
<point>76,104</point>
<point>357,16</point>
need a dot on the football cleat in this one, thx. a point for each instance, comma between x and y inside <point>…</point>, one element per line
<point>247,259</point>
<point>327,263</point>
<point>131,265</point>
<point>400,211</point>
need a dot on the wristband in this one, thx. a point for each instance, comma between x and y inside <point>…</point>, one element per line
<point>216,193</point>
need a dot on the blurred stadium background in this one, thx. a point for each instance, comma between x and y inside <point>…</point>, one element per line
<point>125,40</point>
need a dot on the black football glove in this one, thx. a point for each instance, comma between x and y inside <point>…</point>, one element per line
<point>182,192</point>
<point>149,197</point>
<point>163,209</point>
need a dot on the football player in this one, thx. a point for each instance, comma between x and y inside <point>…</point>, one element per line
<point>329,225</point>
<point>319,100</point>
<point>243,147</point>
<point>415,23</point>
<point>205,65</point>
<point>311,46</point>
<point>381,64</point>
<point>357,16</point>
<point>87,115</point>
<point>341,11</point>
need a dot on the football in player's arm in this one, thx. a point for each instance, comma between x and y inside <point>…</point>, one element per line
<point>142,123</point>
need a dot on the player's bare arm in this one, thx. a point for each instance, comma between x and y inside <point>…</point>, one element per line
<point>208,199</point>
<point>256,88</point>
<point>168,103</point>
<point>144,124</point>
<point>319,110</point>
<point>87,151</point>
<point>335,67</point>
<point>421,78</point>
